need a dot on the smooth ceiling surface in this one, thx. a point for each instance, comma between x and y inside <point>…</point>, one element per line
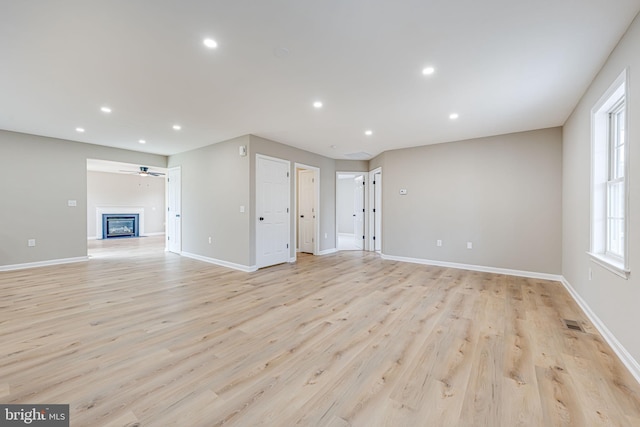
<point>501,65</point>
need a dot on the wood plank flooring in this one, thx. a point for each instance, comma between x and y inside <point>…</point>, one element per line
<point>148,338</point>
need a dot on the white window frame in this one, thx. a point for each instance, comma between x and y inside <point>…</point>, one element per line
<point>601,180</point>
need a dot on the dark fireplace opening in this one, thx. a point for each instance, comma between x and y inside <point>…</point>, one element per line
<point>120,225</point>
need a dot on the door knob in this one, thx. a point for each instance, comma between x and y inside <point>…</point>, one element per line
<point>301,216</point>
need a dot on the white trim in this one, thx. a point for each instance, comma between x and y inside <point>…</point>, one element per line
<point>100,210</point>
<point>632,365</point>
<point>609,264</point>
<point>43,263</point>
<point>328,251</point>
<point>598,175</point>
<point>371,206</point>
<point>506,271</point>
<point>221,263</point>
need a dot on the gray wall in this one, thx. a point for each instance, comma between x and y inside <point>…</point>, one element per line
<point>116,189</point>
<point>215,183</point>
<point>501,193</point>
<point>613,299</point>
<point>37,178</point>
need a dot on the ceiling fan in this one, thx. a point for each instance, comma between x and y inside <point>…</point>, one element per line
<point>144,171</point>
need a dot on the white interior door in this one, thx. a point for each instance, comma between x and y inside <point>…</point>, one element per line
<point>306,210</point>
<point>272,211</point>
<point>174,211</point>
<point>358,212</point>
<point>376,185</point>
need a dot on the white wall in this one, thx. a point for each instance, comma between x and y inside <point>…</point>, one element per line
<point>114,189</point>
<point>501,193</point>
<point>612,299</point>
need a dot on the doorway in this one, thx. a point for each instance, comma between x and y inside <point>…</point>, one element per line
<point>307,209</point>
<point>118,188</point>
<point>351,210</point>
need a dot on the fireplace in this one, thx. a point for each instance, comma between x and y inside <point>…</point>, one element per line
<point>120,225</point>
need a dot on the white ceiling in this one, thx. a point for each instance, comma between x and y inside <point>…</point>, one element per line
<point>502,65</point>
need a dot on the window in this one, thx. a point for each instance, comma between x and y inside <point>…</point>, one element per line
<point>609,184</point>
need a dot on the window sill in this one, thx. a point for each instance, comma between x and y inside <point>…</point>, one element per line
<point>610,264</point>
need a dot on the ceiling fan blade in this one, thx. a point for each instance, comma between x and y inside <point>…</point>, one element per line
<point>155,173</point>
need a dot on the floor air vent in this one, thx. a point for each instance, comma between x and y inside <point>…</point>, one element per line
<point>574,325</point>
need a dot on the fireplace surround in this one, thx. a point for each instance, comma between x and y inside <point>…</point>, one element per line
<point>116,225</point>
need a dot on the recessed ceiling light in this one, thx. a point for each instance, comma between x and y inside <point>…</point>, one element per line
<point>317,104</point>
<point>105,109</point>
<point>427,71</point>
<point>453,116</point>
<point>177,127</point>
<point>142,141</point>
<point>80,130</point>
<point>368,132</point>
<point>210,43</point>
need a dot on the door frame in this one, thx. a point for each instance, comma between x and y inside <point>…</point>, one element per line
<point>316,190</point>
<point>371,206</point>
<point>367,232</point>
<point>168,188</point>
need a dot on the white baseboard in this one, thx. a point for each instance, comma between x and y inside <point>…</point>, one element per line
<point>506,271</point>
<point>159,233</point>
<point>222,263</point>
<point>328,251</point>
<point>632,365</point>
<point>43,263</point>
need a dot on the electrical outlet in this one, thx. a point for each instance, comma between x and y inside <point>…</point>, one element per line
<point>209,239</point>
<point>590,274</point>
<point>469,245</point>
<point>326,235</point>
<point>31,242</point>
<point>438,242</point>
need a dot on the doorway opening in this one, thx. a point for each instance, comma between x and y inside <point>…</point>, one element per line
<point>307,205</point>
<point>351,203</point>
<point>136,199</point>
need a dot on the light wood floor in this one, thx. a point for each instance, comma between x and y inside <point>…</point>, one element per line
<point>149,338</point>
